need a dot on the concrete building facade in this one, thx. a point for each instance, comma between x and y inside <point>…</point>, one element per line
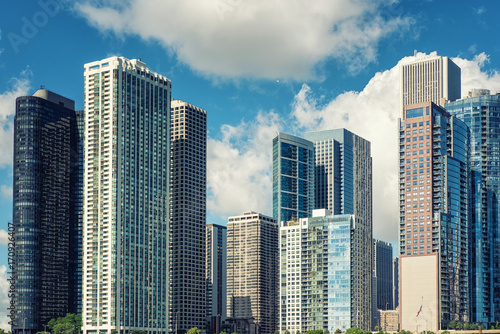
<point>126,245</point>
<point>188,189</point>
<point>252,273</point>
<point>430,78</point>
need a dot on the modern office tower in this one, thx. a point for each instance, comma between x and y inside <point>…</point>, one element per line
<point>481,112</point>
<point>216,277</point>
<point>435,79</point>
<point>44,195</point>
<point>343,173</point>
<point>343,185</point>
<point>395,282</point>
<point>252,273</point>
<point>126,198</point>
<point>293,177</point>
<point>434,172</point>
<point>382,263</point>
<point>320,269</point>
<point>188,216</point>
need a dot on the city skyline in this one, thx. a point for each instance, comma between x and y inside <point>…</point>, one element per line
<point>245,104</point>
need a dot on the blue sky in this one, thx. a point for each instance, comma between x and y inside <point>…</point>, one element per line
<point>257,67</point>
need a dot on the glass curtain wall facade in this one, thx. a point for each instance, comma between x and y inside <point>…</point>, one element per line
<point>293,177</point>
<point>188,216</point>
<point>44,195</point>
<point>216,277</point>
<point>126,198</point>
<point>382,252</point>
<point>434,176</point>
<point>343,185</point>
<point>482,115</point>
<point>317,272</point>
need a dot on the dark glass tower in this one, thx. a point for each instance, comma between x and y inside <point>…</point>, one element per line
<point>45,159</point>
<point>293,177</point>
<point>481,112</point>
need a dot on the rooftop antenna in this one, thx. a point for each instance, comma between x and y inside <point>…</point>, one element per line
<point>42,86</point>
<point>415,53</point>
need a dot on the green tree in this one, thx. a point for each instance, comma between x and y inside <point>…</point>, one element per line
<point>326,331</point>
<point>338,331</point>
<point>298,332</point>
<point>69,324</point>
<point>138,332</point>
<point>314,331</point>
<point>276,332</point>
<point>445,332</point>
<point>226,333</point>
<point>460,326</point>
<point>234,333</point>
<point>194,330</point>
<point>287,332</point>
<point>452,324</point>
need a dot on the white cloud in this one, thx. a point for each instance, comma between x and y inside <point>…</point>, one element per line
<point>4,238</point>
<point>6,191</point>
<point>240,165</point>
<point>272,39</point>
<point>19,87</point>
<point>4,298</point>
<point>474,75</point>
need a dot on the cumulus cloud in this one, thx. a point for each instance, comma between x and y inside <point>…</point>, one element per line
<point>241,162</point>
<point>4,298</point>
<point>271,39</point>
<point>6,191</point>
<point>19,87</point>
<point>4,238</point>
<point>238,167</point>
<point>474,75</point>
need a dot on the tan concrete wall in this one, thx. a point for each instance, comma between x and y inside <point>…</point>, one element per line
<point>419,286</point>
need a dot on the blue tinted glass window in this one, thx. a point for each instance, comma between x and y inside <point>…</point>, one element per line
<point>412,113</point>
<point>288,151</point>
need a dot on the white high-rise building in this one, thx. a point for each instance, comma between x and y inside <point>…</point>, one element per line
<point>126,198</point>
<point>431,78</point>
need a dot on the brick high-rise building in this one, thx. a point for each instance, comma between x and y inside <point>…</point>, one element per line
<point>433,226</point>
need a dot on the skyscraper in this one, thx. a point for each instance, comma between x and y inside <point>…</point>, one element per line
<point>252,273</point>
<point>46,143</point>
<point>433,188</point>
<point>188,216</point>
<point>216,277</point>
<point>382,256</point>
<point>395,282</point>
<point>293,177</point>
<point>126,198</point>
<point>343,185</point>
<point>481,112</point>
<point>320,268</point>
<point>435,79</point>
